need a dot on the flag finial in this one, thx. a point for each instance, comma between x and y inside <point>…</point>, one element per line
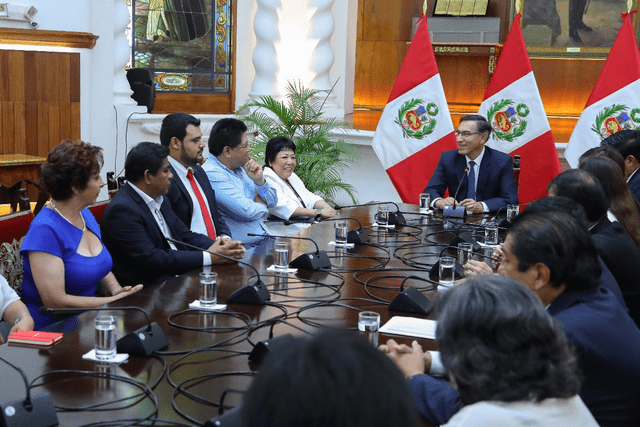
<point>424,7</point>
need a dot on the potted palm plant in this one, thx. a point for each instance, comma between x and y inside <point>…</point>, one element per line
<point>320,153</point>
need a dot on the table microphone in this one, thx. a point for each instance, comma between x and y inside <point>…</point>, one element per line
<point>310,261</point>
<point>253,293</point>
<point>39,411</point>
<point>395,218</point>
<point>141,342</point>
<point>456,211</point>
<point>410,300</point>
<point>357,236</point>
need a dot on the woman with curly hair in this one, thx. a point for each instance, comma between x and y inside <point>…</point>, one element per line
<point>64,258</point>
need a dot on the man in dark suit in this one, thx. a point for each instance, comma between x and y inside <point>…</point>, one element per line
<point>190,193</point>
<point>627,142</point>
<point>137,223</point>
<point>484,176</point>
<point>554,255</point>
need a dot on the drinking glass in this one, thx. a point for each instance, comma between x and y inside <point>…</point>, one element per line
<point>425,202</point>
<point>281,259</point>
<point>383,215</point>
<point>105,344</point>
<point>342,231</point>
<point>446,271</point>
<point>208,289</point>
<point>368,325</point>
<point>465,250</point>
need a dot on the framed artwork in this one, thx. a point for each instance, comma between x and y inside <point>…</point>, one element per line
<point>573,28</point>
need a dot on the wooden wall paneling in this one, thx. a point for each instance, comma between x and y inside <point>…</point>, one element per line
<point>64,79</point>
<point>43,129</point>
<point>31,134</point>
<point>166,103</point>
<point>65,121</point>
<point>8,128</point>
<point>31,83</point>
<point>20,129</point>
<point>16,75</point>
<point>464,79</point>
<point>378,64</point>
<point>53,113</point>
<point>74,75</point>
<point>75,120</point>
<point>389,20</point>
<point>5,83</point>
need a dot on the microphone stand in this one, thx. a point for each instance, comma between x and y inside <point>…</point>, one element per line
<point>395,218</point>
<point>358,236</point>
<point>253,293</point>
<point>39,411</point>
<point>452,211</point>
<point>142,342</point>
<point>310,261</point>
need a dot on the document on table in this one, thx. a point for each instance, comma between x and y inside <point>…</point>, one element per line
<point>410,327</point>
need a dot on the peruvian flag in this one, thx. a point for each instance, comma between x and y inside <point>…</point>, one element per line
<point>513,106</point>
<point>614,103</point>
<point>415,126</point>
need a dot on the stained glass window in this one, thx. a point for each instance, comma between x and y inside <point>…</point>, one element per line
<point>186,43</point>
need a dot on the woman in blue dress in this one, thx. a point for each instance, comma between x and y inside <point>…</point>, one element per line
<point>65,263</point>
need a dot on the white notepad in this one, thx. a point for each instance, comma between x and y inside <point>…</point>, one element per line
<point>410,327</point>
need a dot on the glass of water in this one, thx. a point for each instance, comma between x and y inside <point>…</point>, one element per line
<point>208,288</point>
<point>105,344</point>
<point>512,212</point>
<point>368,325</point>
<point>425,202</point>
<point>342,231</point>
<point>491,233</point>
<point>446,271</point>
<point>465,250</point>
<point>281,259</point>
<point>383,215</point>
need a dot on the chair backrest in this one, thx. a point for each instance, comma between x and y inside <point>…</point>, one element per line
<point>13,228</point>
<point>98,208</point>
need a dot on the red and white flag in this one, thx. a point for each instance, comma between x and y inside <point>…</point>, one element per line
<point>415,126</point>
<point>513,106</point>
<point>614,103</point>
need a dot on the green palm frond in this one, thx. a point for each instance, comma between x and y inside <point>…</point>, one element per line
<point>322,156</point>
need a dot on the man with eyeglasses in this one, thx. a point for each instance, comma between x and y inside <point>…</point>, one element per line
<point>242,193</point>
<point>481,176</point>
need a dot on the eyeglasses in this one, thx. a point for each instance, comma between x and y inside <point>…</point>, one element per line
<point>465,134</point>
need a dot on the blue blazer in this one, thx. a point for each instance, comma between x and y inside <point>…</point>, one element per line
<point>608,346</point>
<point>183,207</point>
<point>139,250</point>
<point>496,184</point>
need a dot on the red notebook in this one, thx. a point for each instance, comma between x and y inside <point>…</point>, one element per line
<point>36,338</point>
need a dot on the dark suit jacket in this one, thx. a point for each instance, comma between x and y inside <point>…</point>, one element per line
<point>136,243</point>
<point>183,207</point>
<point>496,184</point>
<point>634,184</point>
<point>618,250</point>
<point>608,346</point>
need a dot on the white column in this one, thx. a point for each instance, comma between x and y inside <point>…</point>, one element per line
<point>322,57</point>
<point>265,26</point>
<point>121,52</point>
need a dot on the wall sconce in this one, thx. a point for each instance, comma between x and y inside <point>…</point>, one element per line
<point>16,12</point>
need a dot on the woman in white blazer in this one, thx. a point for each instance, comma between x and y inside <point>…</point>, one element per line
<point>294,200</point>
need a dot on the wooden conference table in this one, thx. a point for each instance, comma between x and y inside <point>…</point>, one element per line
<point>206,361</point>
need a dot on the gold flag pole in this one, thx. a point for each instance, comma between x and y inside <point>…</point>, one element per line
<point>424,8</point>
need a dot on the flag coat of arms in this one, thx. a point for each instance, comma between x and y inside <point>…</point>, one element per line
<point>415,126</point>
<point>513,107</point>
<point>614,103</point>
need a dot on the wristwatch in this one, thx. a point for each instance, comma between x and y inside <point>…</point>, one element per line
<point>319,211</point>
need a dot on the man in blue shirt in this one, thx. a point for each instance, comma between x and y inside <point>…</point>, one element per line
<point>242,193</point>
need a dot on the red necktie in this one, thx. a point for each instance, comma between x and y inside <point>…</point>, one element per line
<point>211,231</point>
